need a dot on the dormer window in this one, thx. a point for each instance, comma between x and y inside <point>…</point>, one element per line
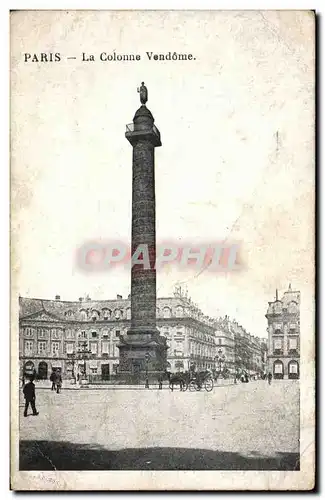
<point>106,313</point>
<point>83,315</point>
<point>95,315</point>
<point>118,313</point>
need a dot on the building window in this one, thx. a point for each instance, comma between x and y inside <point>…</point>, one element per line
<point>70,334</point>
<point>117,333</point>
<point>166,312</point>
<point>82,346</point>
<point>83,315</point>
<point>41,348</point>
<point>105,347</point>
<point>293,368</point>
<point>94,335</point>
<point>28,347</point>
<point>95,315</point>
<point>117,314</point>
<point>28,332</point>
<point>278,368</point>
<point>180,311</point>
<point>277,346</point>
<point>93,347</point>
<point>55,334</point>
<point>41,333</point>
<point>55,347</point>
<point>82,334</point>
<point>106,314</point>
<point>220,341</point>
<point>93,371</point>
<point>293,344</point>
<point>105,333</point>
<point>69,348</point>
<point>293,307</point>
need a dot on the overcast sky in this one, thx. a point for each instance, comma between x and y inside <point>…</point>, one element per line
<point>236,162</point>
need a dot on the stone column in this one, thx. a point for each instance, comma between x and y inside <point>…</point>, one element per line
<point>143,350</point>
<point>143,281</point>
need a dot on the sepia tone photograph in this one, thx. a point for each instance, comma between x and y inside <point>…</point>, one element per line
<point>162,250</point>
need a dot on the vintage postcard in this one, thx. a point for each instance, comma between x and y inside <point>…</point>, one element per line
<point>162,250</point>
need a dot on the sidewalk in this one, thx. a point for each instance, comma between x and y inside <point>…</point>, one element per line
<point>46,384</point>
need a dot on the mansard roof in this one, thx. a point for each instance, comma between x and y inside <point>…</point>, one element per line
<point>58,308</point>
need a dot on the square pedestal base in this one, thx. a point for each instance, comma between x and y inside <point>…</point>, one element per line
<point>142,357</point>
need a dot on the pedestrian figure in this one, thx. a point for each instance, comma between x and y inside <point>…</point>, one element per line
<point>269,378</point>
<point>58,382</point>
<point>30,397</point>
<point>52,379</point>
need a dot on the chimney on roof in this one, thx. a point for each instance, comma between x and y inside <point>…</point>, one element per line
<point>80,299</point>
<point>276,294</point>
<point>129,296</point>
<point>57,297</point>
<point>119,296</point>
<point>289,287</point>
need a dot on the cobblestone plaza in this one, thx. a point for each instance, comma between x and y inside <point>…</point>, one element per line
<point>245,427</point>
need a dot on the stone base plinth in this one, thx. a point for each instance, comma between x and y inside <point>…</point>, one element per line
<point>142,356</point>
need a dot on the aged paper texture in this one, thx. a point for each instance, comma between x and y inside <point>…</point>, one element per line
<point>162,229</point>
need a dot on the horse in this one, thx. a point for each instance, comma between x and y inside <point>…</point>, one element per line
<point>181,379</point>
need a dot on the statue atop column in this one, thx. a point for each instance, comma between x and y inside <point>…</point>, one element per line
<point>143,91</point>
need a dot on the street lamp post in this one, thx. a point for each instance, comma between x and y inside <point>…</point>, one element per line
<point>83,352</point>
<point>220,359</point>
<point>147,356</point>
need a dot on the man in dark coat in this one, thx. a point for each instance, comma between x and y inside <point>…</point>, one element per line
<point>58,382</point>
<point>29,394</point>
<point>52,379</point>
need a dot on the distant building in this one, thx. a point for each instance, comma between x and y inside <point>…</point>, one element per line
<point>242,351</point>
<point>78,336</point>
<point>225,345</point>
<point>283,317</point>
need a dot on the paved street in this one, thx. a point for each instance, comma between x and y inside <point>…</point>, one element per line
<point>246,426</point>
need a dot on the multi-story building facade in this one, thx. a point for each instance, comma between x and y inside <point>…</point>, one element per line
<point>83,335</point>
<point>225,346</point>
<point>237,349</point>
<point>283,317</point>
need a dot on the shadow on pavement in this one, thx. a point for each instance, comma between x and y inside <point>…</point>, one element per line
<point>61,455</point>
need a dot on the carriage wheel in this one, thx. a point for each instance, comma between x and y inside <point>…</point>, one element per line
<point>185,386</point>
<point>192,386</point>
<point>208,384</point>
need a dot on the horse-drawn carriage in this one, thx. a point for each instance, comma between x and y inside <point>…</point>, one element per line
<point>191,381</point>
